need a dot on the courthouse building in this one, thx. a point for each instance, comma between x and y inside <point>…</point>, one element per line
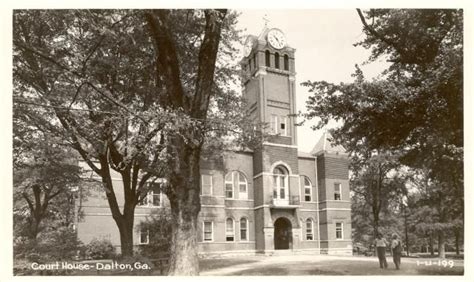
<point>276,198</point>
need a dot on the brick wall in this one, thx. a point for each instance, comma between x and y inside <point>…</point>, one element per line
<point>333,166</point>
<point>273,154</point>
<point>286,140</point>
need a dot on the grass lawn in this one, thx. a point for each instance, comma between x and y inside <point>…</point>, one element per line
<point>281,265</point>
<point>211,264</point>
<point>323,265</point>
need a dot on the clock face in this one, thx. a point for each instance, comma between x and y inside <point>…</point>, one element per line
<point>248,47</point>
<point>276,38</point>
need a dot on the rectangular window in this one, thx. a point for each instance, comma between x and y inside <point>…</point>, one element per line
<point>228,190</point>
<point>275,187</point>
<point>282,187</point>
<point>229,230</point>
<point>144,237</point>
<point>144,201</point>
<point>283,126</point>
<point>309,230</point>
<point>153,196</point>
<point>206,184</point>
<point>207,230</point>
<point>307,194</point>
<point>339,230</point>
<point>337,191</point>
<point>274,123</point>
<point>243,229</point>
<point>307,189</point>
<point>229,185</point>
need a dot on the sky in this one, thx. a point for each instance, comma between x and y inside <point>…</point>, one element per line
<point>323,40</point>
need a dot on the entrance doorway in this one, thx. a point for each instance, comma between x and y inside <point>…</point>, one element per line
<point>283,236</point>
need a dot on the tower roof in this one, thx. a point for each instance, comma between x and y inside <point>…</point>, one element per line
<point>263,33</point>
<point>324,145</point>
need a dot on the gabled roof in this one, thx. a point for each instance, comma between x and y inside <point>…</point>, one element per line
<point>324,145</point>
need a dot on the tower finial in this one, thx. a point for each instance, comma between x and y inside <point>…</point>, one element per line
<point>265,18</point>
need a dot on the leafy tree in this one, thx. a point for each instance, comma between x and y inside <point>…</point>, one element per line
<point>87,73</point>
<point>190,88</point>
<point>45,178</point>
<point>158,226</point>
<point>435,217</point>
<point>376,183</point>
<point>145,93</point>
<point>415,109</point>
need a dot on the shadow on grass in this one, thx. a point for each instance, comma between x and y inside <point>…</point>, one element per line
<point>332,267</point>
<point>280,271</point>
<point>210,264</point>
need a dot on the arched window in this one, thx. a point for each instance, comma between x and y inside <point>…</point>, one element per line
<point>307,189</point>
<point>277,60</point>
<point>280,183</point>
<point>244,229</point>
<point>286,62</point>
<point>309,230</point>
<point>236,180</point>
<point>229,230</point>
<point>267,58</point>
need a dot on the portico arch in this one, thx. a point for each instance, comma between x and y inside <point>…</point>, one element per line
<point>281,163</point>
<point>283,235</point>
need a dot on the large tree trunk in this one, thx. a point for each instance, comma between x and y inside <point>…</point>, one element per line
<point>126,231</point>
<point>185,207</point>
<point>457,235</point>
<point>441,242</point>
<point>126,238</point>
<point>431,244</point>
<point>406,231</point>
<point>124,221</point>
<point>184,255</point>
<point>34,229</point>
<point>184,178</point>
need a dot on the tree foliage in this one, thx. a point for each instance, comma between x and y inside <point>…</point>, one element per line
<point>417,106</point>
<point>158,226</point>
<point>46,177</point>
<point>141,92</point>
<point>414,110</point>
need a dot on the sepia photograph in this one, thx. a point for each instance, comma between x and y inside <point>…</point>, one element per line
<point>237,142</point>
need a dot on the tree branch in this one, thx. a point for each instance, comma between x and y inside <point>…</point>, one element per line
<point>207,61</point>
<point>28,201</point>
<point>167,58</point>
<point>376,34</point>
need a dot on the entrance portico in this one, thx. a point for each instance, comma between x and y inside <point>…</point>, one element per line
<point>283,235</point>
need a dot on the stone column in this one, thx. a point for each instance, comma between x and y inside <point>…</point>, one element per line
<point>296,238</point>
<point>269,240</point>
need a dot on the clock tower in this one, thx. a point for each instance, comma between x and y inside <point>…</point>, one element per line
<point>268,80</point>
<point>269,84</point>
